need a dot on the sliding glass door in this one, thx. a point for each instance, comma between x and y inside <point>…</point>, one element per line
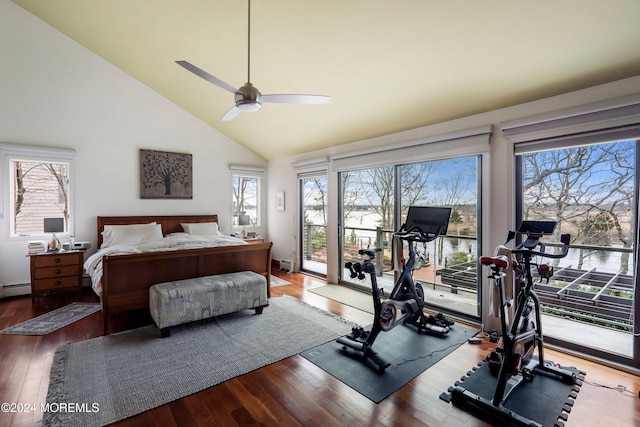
<point>368,220</point>
<point>374,204</point>
<point>313,201</point>
<point>448,274</point>
<point>591,190</point>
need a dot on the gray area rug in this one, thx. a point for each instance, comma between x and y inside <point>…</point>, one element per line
<point>117,376</point>
<point>54,320</point>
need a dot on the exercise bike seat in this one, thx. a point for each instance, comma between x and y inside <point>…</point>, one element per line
<point>500,260</point>
<point>371,253</point>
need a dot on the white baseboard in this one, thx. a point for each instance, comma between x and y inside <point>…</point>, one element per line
<point>25,288</point>
<point>15,290</point>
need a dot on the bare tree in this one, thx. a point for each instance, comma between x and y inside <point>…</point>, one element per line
<point>39,188</point>
<point>243,192</point>
<point>378,190</point>
<point>581,186</point>
<point>60,173</point>
<point>318,195</point>
<point>352,193</point>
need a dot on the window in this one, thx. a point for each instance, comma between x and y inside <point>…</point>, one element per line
<point>375,202</point>
<point>246,200</point>
<point>590,190</point>
<point>579,167</point>
<point>313,205</point>
<point>39,189</point>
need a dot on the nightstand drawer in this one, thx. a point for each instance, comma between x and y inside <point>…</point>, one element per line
<point>58,271</point>
<point>54,283</point>
<point>53,260</point>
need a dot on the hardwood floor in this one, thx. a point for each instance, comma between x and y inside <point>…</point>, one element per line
<point>293,392</point>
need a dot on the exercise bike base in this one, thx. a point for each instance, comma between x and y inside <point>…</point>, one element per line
<point>366,351</point>
<point>463,397</point>
<point>421,325</point>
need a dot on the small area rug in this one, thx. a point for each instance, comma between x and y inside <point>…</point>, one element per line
<point>276,281</point>
<point>130,372</point>
<point>545,400</point>
<point>409,353</point>
<point>360,300</point>
<point>54,320</point>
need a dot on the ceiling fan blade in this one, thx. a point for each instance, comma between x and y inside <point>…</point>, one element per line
<point>229,115</point>
<point>208,77</point>
<point>296,99</point>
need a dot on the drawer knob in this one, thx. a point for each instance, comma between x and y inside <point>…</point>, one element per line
<point>57,282</point>
<point>57,260</point>
<point>58,271</point>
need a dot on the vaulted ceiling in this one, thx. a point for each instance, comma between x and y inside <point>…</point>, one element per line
<point>387,65</point>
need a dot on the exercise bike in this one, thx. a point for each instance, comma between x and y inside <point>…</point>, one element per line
<point>512,359</point>
<point>406,301</point>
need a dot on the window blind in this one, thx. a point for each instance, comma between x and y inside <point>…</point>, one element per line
<point>464,142</point>
<point>610,120</point>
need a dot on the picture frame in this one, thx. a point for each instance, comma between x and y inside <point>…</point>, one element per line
<point>280,201</point>
<point>165,175</point>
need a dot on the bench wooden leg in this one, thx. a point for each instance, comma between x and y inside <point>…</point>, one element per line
<point>165,332</point>
<point>258,310</point>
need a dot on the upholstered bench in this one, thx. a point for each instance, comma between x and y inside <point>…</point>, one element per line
<point>183,301</point>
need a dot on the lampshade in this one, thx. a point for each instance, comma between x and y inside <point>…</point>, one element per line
<point>53,225</point>
<point>244,219</point>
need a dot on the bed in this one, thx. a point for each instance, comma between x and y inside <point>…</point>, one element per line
<point>125,278</point>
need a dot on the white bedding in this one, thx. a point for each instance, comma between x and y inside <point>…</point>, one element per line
<point>93,264</point>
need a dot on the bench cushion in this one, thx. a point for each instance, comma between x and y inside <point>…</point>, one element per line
<point>181,301</point>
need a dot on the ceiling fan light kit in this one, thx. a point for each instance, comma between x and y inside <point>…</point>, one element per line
<point>248,98</point>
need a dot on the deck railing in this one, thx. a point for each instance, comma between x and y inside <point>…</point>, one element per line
<point>585,294</point>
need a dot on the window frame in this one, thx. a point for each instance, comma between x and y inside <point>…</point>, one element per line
<point>595,138</point>
<point>10,153</point>
<point>234,214</point>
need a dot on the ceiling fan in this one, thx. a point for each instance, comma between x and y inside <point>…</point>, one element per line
<point>248,98</point>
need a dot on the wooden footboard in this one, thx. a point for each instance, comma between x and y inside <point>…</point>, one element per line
<point>126,279</point>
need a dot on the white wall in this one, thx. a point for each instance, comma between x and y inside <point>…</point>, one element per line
<point>498,202</point>
<point>54,92</point>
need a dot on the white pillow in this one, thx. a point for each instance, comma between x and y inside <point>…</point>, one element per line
<point>202,228</point>
<point>133,233</point>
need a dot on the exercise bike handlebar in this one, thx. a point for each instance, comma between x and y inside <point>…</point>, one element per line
<point>371,253</point>
<point>532,241</point>
<point>416,234</point>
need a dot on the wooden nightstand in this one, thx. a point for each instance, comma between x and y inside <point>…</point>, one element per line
<point>55,271</point>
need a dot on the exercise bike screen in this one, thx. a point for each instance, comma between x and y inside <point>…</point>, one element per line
<point>429,219</point>
<point>537,227</point>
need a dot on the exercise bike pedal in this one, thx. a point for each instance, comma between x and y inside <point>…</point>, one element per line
<point>527,375</point>
<point>359,332</point>
<point>446,321</point>
<point>495,362</point>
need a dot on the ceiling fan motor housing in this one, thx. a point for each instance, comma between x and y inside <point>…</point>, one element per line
<point>248,98</point>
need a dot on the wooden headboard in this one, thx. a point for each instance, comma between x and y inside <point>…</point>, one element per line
<point>169,223</point>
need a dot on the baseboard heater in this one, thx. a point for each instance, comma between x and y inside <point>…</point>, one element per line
<point>14,290</point>
<point>286,265</point>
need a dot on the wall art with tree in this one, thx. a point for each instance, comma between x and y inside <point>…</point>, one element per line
<point>165,175</point>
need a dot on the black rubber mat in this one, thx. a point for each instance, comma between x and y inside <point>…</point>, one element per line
<point>409,352</point>
<point>546,400</point>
